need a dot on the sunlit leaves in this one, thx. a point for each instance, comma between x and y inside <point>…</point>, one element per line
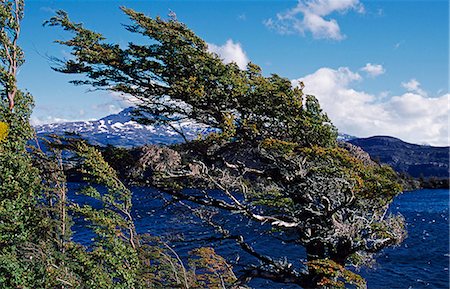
<point>335,276</point>
<point>3,131</point>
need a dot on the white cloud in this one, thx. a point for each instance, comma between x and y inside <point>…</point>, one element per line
<point>47,119</point>
<point>113,102</point>
<point>397,45</point>
<point>242,17</point>
<point>310,16</point>
<point>111,107</point>
<point>414,86</point>
<point>121,100</point>
<point>56,115</point>
<point>373,70</point>
<point>230,52</point>
<point>47,9</point>
<point>412,116</point>
<point>411,85</point>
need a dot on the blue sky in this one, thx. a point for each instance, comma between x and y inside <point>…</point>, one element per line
<point>378,67</point>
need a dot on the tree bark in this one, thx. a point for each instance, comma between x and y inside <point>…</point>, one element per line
<point>314,251</point>
<point>340,253</point>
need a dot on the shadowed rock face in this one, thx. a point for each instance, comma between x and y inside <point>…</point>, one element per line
<point>415,160</point>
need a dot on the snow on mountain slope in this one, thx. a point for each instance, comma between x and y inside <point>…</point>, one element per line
<point>121,130</point>
<point>345,137</point>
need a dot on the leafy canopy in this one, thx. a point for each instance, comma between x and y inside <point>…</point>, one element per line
<point>174,78</point>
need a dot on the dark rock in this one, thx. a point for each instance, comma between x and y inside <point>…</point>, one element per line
<point>427,164</point>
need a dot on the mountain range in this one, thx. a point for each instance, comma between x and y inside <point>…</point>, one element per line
<point>417,161</point>
<point>121,130</point>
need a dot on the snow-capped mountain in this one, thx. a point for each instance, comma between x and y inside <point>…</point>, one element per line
<point>345,137</point>
<point>121,130</point>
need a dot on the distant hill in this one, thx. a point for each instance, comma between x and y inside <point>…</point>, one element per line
<point>415,160</point>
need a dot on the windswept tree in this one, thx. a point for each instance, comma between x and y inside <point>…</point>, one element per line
<point>36,245</point>
<point>274,157</point>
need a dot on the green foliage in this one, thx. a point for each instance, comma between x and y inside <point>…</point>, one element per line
<point>120,159</point>
<point>334,276</point>
<point>118,256</point>
<point>116,243</point>
<point>176,71</point>
<point>371,181</point>
<point>22,224</point>
<point>36,249</point>
<point>280,146</point>
<point>212,271</point>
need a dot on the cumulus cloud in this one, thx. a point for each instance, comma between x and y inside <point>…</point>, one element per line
<point>373,70</point>
<point>414,86</point>
<point>230,52</point>
<point>311,16</point>
<point>412,116</point>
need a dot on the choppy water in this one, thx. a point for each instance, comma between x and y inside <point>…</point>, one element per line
<point>422,261</point>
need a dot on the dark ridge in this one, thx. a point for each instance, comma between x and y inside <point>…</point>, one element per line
<point>418,161</point>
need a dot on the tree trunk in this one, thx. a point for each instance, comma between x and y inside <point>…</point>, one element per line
<point>314,251</point>
<point>340,253</point>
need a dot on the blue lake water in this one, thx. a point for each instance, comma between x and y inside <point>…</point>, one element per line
<point>421,261</point>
